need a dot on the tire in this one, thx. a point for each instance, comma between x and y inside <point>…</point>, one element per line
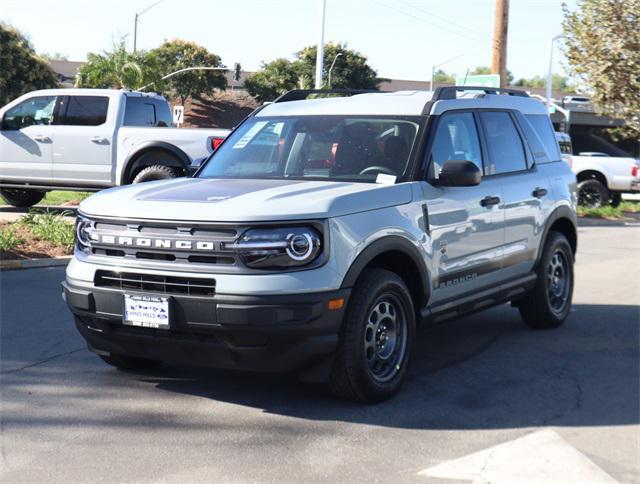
<point>549,303</point>
<point>123,362</point>
<point>155,172</point>
<point>376,339</point>
<point>615,200</point>
<point>21,198</point>
<point>592,193</point>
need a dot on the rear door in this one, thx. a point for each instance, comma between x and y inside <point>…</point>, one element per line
<point>83,135</point>
<point>26,140</point>
<point>526,190</point>
<point>466,223</point>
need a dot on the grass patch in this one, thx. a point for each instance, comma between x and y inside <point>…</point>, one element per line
<point>609,212</point>
<point>60,197</point>
<point>37,235</point>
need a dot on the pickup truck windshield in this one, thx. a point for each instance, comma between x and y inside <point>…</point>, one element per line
<point>333,148</point>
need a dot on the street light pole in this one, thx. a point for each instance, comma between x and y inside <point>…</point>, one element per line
<point>186,69</point>
<point>331,68</point>
<point>135,24</point>
<point>550,71</point>
<point>320,49</point>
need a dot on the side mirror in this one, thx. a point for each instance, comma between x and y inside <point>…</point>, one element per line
<point>459,173</point>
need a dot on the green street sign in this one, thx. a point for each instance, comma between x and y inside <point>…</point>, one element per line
<point>484,80</point>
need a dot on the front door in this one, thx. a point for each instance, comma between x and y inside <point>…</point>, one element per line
<point>466,224</point>
<point>26,140</point>
<point>83,141</point>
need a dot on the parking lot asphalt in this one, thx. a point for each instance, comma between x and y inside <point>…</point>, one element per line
<point>554,402</point>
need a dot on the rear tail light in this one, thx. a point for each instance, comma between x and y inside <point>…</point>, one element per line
<point>216,142</point>
<point>634,171</point>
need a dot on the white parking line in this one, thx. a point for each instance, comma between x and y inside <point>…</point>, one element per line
<point>538,457</point>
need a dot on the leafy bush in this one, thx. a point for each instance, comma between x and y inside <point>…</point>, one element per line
<point>50,226</point>
<point>8,238</point>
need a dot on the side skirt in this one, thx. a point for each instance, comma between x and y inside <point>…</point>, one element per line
<point>479,300</point>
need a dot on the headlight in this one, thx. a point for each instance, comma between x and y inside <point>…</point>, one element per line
<point>278,247</point>
<point>85,233</point>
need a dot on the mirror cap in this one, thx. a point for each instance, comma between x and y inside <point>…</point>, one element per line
<point>459,173</point>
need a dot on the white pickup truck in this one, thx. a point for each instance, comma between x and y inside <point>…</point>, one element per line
<point>601,178</point>
<point>89,139</point>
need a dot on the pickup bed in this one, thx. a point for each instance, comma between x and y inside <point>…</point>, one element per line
<point>89,139</point>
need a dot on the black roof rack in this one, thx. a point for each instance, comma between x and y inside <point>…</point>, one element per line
<point>451,92</point>
<point>301,94</point>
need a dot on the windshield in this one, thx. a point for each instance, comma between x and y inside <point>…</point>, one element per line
<point>320,147</point>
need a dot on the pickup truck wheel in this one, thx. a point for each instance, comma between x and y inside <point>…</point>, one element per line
<point>21,198</point>
<point>376,339</point>
<point>592,193</point>
<point>155,172</point>
<point>549,303</point>
<point>615,200</point>
<point>123,362</point>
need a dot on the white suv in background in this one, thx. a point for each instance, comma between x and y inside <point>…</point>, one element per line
<point>90,139</point>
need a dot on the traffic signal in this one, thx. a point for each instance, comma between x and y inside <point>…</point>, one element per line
<point>236,72</point>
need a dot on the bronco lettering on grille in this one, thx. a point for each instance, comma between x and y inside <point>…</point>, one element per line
<point>199,245</point>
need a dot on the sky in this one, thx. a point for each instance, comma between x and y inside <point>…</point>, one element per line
<point>402,39</point>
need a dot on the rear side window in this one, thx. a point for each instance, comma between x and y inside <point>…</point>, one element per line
<point>139,111</point>
<point>506,151</point>
<point>544,129</point>
<point>84,110</point>
<point>164,118</point>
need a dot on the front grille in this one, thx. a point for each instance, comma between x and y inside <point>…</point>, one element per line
<point>189,286</point>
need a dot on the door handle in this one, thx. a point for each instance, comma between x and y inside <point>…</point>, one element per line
<point>41,138</point>
<point>489,201</point>
<point>540,192</point>
<point>98,139</point>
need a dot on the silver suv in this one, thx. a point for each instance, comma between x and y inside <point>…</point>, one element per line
<point>324,231</point>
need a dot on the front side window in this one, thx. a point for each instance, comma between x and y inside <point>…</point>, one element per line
<point>506,151</point>
<point>33,111</point>
<point>84,110</point>
<point>331,148</point>
<point>456,138</point>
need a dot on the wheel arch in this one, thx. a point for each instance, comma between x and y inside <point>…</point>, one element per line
<point>593,174</point>
<point>132,163</point>
<point>398,255</point>
<point>562,220</point>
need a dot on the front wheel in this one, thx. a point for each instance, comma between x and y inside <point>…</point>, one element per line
<point>21,198</point>
<point>549,303</point>
<point>376,339</point>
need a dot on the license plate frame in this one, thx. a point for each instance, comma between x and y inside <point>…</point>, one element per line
<point>146,311</point>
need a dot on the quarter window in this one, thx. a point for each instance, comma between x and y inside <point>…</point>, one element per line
<point>543,127</point>
<point>506,151</point>
<point>456,138</point>
<point>85,110</point>
<point>33,111</point>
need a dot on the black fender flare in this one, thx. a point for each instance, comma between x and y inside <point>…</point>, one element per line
<point>387,244</point>
<point>561,212</point>
<point>139,150</point>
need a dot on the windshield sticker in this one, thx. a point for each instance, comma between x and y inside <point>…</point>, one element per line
<point>249,135</point>
<point>385,179</point>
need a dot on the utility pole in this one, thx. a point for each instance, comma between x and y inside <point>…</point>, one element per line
<point>500,32</point>
<point>320,49</point>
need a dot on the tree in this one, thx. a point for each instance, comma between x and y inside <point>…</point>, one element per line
<point>603,51</point>
<point>118,69</point>
<point>350,71</point>
<point>177,54</point>
<point>275,78</point>
<point>558,82</point>
<point>21,70</point>
<point>54,56</point>
<point>442,77</point>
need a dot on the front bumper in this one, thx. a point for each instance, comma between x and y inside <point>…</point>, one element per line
<point>257,333</point>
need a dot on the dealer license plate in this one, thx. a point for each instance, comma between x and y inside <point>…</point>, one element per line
<point>146,311</point>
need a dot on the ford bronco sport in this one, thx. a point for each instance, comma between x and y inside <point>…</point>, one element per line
<point>323,231</point>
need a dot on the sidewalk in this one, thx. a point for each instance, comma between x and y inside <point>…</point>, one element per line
<point>11,214</point>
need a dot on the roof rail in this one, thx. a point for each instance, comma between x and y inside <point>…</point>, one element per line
<point>450,92</point>
<point>301,94</point>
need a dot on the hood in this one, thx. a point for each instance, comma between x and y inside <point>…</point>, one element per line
<point>247,200</point>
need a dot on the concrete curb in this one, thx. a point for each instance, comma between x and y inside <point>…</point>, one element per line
<point>8,265</point>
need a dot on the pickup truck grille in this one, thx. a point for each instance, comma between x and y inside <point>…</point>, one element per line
<point>165,242</point>
<point>189,286</point>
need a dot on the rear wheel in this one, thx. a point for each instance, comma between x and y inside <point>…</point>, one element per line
<point>615,200</point>
<point>155,172</point>
<point>376,339</point>
<point>123,362</point>
<point>21,198</point>
<point>549,303</point>
<point>592,193</point>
